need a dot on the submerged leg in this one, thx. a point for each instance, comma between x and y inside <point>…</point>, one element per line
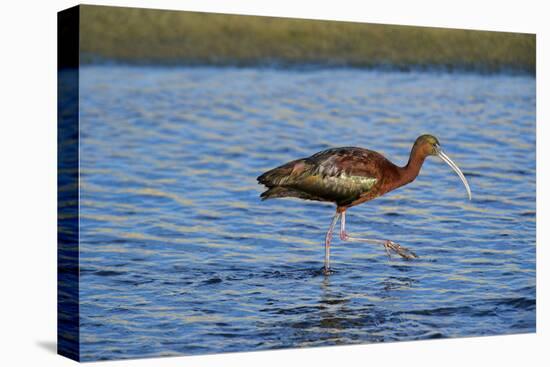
<point>389,246</point>
<point>328,238</point>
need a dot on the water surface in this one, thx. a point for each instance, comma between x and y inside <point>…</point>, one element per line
<point>179,255</point>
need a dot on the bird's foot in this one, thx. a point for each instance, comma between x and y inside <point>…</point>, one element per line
<point>404,252</point>
<point>327,271</point>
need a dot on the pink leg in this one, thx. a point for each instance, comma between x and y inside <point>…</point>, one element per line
<point>328,238</point>
<point>389,246</point>
<point>343,234</point>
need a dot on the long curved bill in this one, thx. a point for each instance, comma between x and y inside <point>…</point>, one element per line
<point>455,168</point>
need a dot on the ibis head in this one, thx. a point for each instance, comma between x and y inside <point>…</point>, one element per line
<point>428,145</point>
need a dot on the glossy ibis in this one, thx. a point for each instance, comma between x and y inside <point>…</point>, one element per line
<point>350,176</point>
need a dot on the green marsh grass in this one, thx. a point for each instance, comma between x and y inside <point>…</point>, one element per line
<point>131,35</point>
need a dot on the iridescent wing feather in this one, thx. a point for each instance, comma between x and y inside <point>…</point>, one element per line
<point>338,175</point>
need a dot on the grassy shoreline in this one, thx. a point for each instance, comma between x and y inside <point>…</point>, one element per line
<point>146,36</point>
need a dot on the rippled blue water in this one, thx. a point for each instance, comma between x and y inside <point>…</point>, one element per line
<point>179,255</point>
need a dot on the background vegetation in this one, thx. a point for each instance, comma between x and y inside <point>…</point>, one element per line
<point>132,35</point>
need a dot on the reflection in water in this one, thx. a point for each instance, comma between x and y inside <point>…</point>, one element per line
<point>178,255</point>
<point>332,308</point>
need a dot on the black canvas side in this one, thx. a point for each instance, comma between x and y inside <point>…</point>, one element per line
<point>68,340</point>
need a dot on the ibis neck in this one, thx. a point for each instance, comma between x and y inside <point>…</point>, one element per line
<point>412,169</point>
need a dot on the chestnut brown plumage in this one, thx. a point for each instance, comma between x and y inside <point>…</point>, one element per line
<point>350,176</point>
